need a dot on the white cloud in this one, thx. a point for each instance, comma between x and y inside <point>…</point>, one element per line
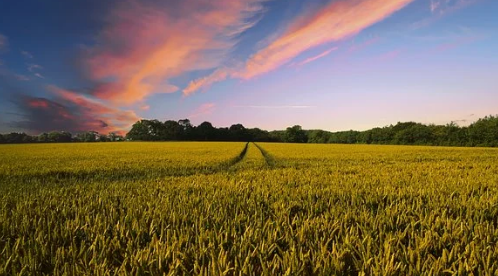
<point>33,67</point>
<point>39,76</point>
<point>26,54</point>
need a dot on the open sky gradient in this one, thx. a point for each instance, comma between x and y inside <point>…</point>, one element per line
<point>323,64</point>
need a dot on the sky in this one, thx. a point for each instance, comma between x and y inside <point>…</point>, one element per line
<point>323,64</point>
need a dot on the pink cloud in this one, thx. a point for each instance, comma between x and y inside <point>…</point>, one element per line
<point>145,107</point>
<point>204,109</point>
<point>321,55</point>
<point>145,45</point>
<point>204,83</point>
<point>37,103</point>
<point>389,55</point>
<point>336,21</point>
<point>92,112</point>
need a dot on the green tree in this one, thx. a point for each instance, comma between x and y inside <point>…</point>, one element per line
<point>295,134</point>
<point>318,136</point>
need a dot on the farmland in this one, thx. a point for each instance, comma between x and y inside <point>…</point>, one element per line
<point>192,208</point>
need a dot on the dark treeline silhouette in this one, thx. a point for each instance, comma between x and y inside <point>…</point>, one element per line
<point>59,137</point>
<point>183,130</point>
<point>483,133</point>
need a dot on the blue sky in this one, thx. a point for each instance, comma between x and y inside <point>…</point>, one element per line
<point>335,65</point>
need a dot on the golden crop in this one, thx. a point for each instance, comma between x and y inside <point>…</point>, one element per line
<point>233,209</point>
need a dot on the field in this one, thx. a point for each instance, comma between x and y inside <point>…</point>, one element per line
<point>247,209</point>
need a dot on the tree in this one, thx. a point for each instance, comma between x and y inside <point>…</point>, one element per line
<point>413,134</point>
<point>205,131</point>
<point>258,135</point>
<point>145,130</point>
<point>104,138</point>
<point>295,134</point>
<point>187,129</point>
<point>171,130</point>
<point>238,133</point>
<point>88,136</point>
<point>16,138</point>
<point>318,136</point>
<point>114,137</point>
<point>59,137</point>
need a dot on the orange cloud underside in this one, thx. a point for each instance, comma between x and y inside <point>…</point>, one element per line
<point>38,103</point>
<point>94,112</point>
<point>144,46</point>
<point>337,21</point>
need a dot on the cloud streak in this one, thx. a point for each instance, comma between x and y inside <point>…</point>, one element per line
<point>203,110</point>
<point>146,44</point>
<point>440,8</point>
<point>319,56</point>
<point>71,112</point>
<point>276,106</point>
<point>26,54</point>
<point>336,21</point>
<point>33,67</point>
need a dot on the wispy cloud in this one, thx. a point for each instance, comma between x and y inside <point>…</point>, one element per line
<point>145,44</point>
<point>38,75</point>
<point>336,21</point>
<point>22,78</point>
<point>202,110</point>
<point>451,45</point>
<point>94,110</point>
<point>389,55</point>
<point>204,83</point>
<point>440,8</point>
<point>70,111</point>
<point>33,67</point>
<point>276,106</point>
<point>321,55</point>
<point>26,54</point>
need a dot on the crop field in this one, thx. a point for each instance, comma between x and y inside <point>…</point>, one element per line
<point>193,208</point>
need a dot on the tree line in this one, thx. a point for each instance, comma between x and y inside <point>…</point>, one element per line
<point>483,132</point>
<point>59,137</point>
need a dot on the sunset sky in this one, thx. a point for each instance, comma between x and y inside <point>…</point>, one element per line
<point>323,64</point>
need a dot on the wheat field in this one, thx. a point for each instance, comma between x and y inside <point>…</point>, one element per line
<point>206,208</point>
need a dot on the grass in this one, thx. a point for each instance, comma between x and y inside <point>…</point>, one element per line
<point>255,209</point>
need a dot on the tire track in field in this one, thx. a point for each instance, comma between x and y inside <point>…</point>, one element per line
<point>57,177</point>
<point>239,157</point>
<point>270,161</point>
